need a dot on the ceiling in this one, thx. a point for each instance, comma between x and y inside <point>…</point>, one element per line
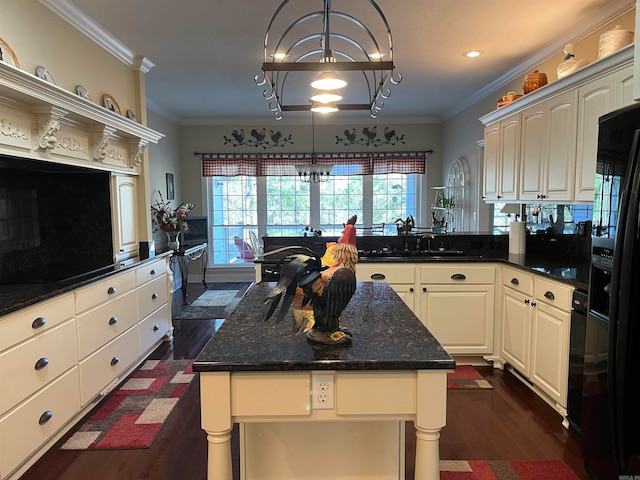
<point>206,52</point>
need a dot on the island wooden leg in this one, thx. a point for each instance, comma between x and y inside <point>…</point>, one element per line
<point>431,416</point>
<point>427,454</point>
<point>215,398</point>
<point>219,465</point>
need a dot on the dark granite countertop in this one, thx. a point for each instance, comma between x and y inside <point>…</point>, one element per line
<point>386,336</point>
<point>14,297</point>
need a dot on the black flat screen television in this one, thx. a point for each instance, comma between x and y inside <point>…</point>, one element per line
<point>198,232</point>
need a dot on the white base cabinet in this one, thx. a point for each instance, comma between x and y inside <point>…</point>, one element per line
<point>59,357</point>
<point>535,331</point>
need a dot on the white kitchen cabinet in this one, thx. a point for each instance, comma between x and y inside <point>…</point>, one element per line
<point>595,99</point>
<point>558,138</point>
<point>502,160</point>
<point>401,277</point>
<point>535,331</point>
<point>548,150</point>
<point>124,217</point>
<point>70,349</point>
<point>457,306</point>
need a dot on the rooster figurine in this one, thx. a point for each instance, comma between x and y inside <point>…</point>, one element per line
<point>326,288</point>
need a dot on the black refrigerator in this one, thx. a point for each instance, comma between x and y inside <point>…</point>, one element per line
<point>610,437</point>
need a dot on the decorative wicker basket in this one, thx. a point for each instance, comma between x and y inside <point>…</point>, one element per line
<point>534,81</point>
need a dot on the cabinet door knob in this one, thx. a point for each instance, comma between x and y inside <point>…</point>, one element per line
<point>41,363</point>
<point>153,272</point>
<point>111,290</point>
<point>549,295</point>
<point>113,320</point>
<point>45,417</point>
<point>515,281</point>
<point>458,276</point>
<point>424,289</point>
<point>115,360</point>
<point>411,289</point>
<point>38,322</point>
<point>378,276</point>
<point>156,328</point>
<point>154,296</point>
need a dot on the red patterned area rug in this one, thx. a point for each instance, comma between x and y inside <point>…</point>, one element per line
<point>465,377</point>
<point>506,470</point>
<point>132,416</point>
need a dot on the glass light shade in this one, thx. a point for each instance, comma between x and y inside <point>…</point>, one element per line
<point>314,173</point>
<point>326,96</point>
<point>324,107</point>
<point>328,81</point>
<point>511,208</point>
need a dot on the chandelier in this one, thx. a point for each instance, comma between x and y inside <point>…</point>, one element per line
<point>313,172</point>
<point>300,44</point>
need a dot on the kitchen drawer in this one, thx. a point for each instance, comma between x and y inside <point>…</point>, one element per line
<point>518,280</point>
<point>360,393</point>
<point>386,272</point>
<point>154,327</point>
<point>457,274</point>
<point>32,364</point>
<point>152,296</point>
<point>104,323</point>
<point>26,323</point>
<point>107,364</point>
<point>25,428</point>
<point>150,271</point>
<point>99,292</point>
<point>553,293</point>
<point>263,394</point>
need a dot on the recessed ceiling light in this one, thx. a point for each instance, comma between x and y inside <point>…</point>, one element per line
<point>472,53</point>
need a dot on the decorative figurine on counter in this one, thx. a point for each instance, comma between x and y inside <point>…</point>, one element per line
<point>327,289</point>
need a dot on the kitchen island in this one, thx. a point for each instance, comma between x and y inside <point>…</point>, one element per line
<point>310,411</point>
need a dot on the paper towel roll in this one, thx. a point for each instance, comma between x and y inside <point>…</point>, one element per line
<point>517,238</point>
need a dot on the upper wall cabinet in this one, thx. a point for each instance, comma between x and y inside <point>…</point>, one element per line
<point>557,134</point>
<point>43,121</point>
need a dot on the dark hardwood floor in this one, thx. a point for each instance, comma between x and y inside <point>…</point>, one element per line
<point>507,423</point>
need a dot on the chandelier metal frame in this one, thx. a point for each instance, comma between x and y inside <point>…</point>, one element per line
<point>354,56</point>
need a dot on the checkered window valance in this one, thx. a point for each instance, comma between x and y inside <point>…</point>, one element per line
<point>283,164</point>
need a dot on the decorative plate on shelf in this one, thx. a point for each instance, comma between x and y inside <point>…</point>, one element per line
<point>131,115</point>
<point>82,92</point>
<point>7,55</point>
<point>110,103</point>
<point>44,74</point>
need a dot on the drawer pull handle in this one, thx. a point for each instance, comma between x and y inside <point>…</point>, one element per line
<point>113,320</point>
<point>38,322</point>
<point>156,328</point>
<point>41,363</point>
<point>378,276</point>
<point>526,301</point>
<point>154,296</point>
<point>45,417</point>
<point>515,281</point>
<point>549,295</point>
<point>533,304</point>
<point>114,361</point>
<point>153,272</point>
<point>111,290</point>
<point>458,276</point>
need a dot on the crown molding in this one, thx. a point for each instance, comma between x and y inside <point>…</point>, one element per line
<point>70,12</point>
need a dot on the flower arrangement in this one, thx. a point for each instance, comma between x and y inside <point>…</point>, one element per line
<point>167,219</point>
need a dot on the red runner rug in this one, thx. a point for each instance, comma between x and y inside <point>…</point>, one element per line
<point>506,470</point>
<point>465,377</point>
<point>132,416</point>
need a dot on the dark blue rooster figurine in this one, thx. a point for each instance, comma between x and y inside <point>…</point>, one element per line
<point>326,288</point>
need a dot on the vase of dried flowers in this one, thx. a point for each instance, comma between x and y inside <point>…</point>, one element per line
<point>171,221</point>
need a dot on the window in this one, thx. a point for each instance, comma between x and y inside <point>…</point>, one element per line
<point>283,206</point>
